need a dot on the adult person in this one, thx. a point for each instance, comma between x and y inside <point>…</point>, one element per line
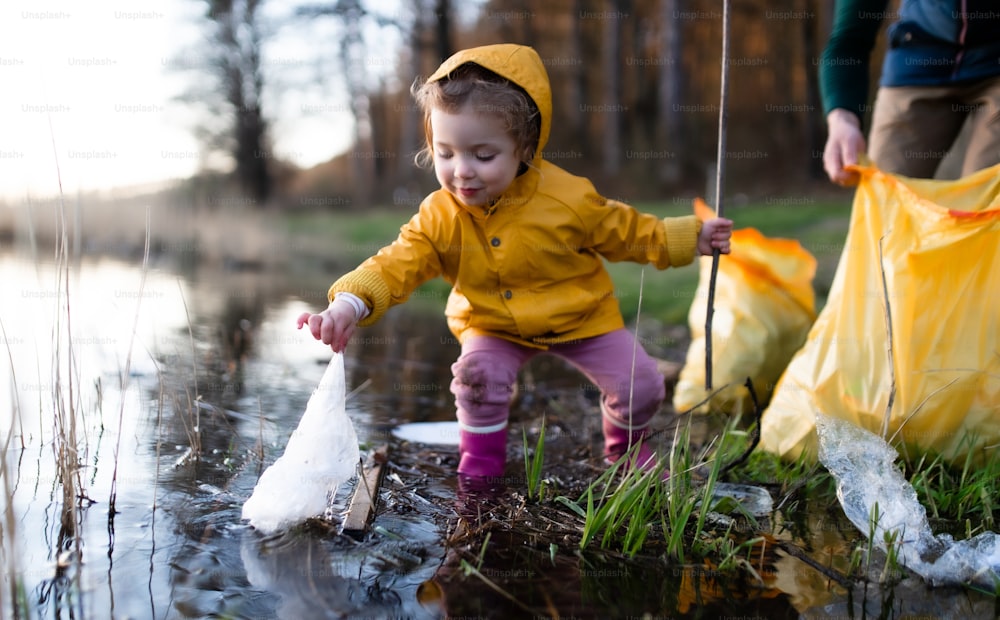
<point>941,69</point>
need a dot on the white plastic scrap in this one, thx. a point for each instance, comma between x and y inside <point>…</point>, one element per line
<point>321,454</point>
<point>862,464</point>
<point>752,500</point>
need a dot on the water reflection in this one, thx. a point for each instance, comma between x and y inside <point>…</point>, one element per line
<point>314,578</point>
<point>302,574</point>
<point>216,382</point>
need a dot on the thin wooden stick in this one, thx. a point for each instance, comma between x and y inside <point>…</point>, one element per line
<point>720,178</point>
<point>830,573</point>
<point>758,411</point>
<point>366,494</point>
<point>889,344</point>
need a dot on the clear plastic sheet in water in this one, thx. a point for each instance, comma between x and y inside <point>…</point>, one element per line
<point>864,467</point>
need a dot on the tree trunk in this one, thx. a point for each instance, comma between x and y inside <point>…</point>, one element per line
<point>442,11</point>
<point>352,58</point>
<point>578,82</point>
<point>671,84</point>
<point>239,39</point>
<point>409,136</point>
<point>815,129</point>
<point>611,107</point>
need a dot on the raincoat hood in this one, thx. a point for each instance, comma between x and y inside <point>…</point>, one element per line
<point>519,64</point>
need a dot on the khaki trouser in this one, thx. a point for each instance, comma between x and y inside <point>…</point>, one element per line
<point>914,127</point>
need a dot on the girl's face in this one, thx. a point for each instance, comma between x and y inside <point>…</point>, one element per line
<point>474,158</point>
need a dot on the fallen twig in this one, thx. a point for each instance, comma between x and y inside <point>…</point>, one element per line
<point>365,497</point>
<point>758,411</point>
<point>794,551</point>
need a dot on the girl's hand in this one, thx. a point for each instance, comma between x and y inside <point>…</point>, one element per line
<point>715,235</point>
<point>332,326</point>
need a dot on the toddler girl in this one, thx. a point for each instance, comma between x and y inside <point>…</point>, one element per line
<point>522,243</point>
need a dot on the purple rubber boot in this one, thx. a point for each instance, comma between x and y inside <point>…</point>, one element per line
<point>618,441</point>
<point>482,455</point>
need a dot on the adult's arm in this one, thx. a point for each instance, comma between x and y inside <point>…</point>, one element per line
<point>845,65</point>
<point>844,72</point>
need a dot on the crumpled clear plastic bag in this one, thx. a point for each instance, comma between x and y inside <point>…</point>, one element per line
<point>863,466</point>
<point>321,454</point>
<point>764,306</point>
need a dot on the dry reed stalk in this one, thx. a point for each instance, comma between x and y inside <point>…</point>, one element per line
<point>16,404</point>
<point>8,526</point>
<point>193,431</point>
<point>126,375</point>
<point>65,440</point>
<point>156,482</point>
<point>260,436</point>
<point>887,308</point>
<point>635,347</point>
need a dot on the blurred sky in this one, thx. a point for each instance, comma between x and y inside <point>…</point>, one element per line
<point>95,84</point>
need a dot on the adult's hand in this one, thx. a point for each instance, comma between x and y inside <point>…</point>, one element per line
<point>844,142</point>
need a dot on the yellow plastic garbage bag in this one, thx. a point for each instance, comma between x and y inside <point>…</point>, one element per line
<point>931,249</point>
<point>764,306</point>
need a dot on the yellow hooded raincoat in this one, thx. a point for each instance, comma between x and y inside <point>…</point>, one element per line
<point>531,271</point>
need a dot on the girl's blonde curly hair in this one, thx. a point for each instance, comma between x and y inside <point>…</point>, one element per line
<point>471,86</point>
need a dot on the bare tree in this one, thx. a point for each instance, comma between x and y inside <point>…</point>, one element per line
<point>352,59</point>
<point>671,85</point>
<point>577,88</point>
<point>386,122</point>
<point>353,55</point>
<point>409,133</point>
<point>815,128</point>
<point>234,61</point>
<point>611,103</point>
<point>442,14</point>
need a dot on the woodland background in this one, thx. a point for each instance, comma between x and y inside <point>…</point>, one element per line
<point>635,91</point>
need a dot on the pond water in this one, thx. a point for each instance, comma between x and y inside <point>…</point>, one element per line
<point>176,389</point>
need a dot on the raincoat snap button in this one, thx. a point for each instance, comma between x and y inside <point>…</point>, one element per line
<point>495,241</point>
<point>508,294</point>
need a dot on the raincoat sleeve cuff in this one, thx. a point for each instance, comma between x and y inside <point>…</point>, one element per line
<point>361,310</point>
<point>682,238</point>
<point>369,287</point>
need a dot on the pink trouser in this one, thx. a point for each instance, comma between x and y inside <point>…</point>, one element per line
<point>631,386</point>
